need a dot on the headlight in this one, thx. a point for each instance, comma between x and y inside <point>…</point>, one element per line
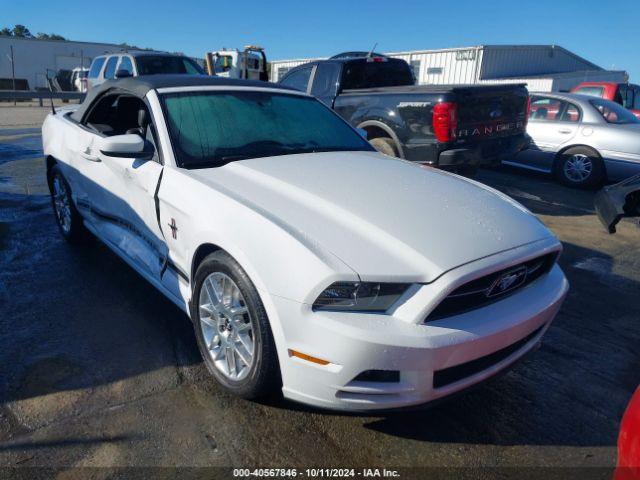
<point>360,296</point>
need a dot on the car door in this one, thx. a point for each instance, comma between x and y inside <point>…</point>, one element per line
<point>93,181</point>
<point>138,230</point>
<point>553,123</point>
<point>120,192</point>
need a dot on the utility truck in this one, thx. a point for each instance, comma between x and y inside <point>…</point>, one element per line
<point>248,64</point>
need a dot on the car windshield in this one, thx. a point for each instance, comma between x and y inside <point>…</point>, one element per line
<point>614,113</point>
<point>159,64</point>
<point>212,128</point>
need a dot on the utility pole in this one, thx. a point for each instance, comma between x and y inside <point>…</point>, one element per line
<point>13,73</point>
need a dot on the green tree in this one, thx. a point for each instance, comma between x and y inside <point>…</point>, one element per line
<point>21,31</point>
<point>49,36</point>
<point>6,31</point>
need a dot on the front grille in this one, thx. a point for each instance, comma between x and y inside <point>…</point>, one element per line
<point>447,376</point>
<point>485,290</point>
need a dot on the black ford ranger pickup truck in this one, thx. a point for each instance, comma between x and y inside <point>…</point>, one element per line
<point>456,127</point>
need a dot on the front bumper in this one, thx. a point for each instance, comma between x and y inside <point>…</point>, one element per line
<point>354,343</point>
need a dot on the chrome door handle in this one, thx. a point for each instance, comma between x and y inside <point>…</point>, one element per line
<point>564,131</point>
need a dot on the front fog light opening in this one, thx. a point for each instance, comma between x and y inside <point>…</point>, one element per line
<point>360,296</point>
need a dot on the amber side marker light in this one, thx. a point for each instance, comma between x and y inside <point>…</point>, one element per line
<point>308,358</point>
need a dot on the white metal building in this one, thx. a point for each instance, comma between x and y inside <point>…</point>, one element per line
<point>542,67</point>
<point>33,57</point>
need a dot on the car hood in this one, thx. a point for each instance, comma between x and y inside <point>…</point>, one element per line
<point>388,219</point>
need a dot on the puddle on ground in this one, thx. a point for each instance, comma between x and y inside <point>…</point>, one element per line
<point>18,150</point>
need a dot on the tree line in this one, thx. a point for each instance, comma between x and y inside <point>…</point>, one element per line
<point>21,31</point>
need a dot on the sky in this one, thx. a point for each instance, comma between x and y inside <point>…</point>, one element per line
<point>604,32</point>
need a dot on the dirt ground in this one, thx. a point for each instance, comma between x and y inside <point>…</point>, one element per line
<point>100,370</point>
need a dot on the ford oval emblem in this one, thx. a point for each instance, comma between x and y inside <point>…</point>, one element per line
<point>497,113</point>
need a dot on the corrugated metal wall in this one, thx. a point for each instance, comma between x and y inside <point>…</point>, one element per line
<point>34,57</point>
<point>518,61</point>
<point>542,67</point>
<point>441,67</point>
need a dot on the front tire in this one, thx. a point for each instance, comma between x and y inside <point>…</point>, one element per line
<point>68,218</point>
<point>579,167</point>
<point>232,328</point>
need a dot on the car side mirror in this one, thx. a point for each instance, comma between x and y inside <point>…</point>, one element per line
<point>123,74</point>
<point>130,145</point>
<point>363,133</point>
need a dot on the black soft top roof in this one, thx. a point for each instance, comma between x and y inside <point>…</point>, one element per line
<point>140,86</point>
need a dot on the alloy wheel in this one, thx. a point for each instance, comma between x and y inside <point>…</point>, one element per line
<point>62,204</point>
<point>227,326</point>
<point>578,168</point>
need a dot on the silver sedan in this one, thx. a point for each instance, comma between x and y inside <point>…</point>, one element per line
<point>581,140</point>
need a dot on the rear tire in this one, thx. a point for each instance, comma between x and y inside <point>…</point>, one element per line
<point>385,145</point>
<point>579,167</point>
<point>232,327</point>
<point>69,220</point>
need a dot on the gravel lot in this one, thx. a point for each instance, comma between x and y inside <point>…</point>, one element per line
<point>100,370</point>
<point>25,114</point>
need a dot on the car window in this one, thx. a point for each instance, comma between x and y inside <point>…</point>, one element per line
<point>298,79</point>
<point>116,115</point>
<point>592,91</point>
<point>626,96</point>
<point>209,129</point>
<point>159,64</point>
<point>125,64</point>
<point>636,100</point>
<point>325,80</point>
<point>222,63</point>
<point>96,66</point>
<point>375,74</point>
<point>614,113</point>
<point>549,109</point>
<point>110,69</point>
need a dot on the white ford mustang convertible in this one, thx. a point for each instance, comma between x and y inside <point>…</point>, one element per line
<point>306,260</point>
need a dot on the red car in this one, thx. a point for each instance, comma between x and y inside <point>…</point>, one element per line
<point>626,94</point>
<point>629,442</point>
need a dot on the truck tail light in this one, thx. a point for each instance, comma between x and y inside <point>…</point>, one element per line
<point>445,121</point>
